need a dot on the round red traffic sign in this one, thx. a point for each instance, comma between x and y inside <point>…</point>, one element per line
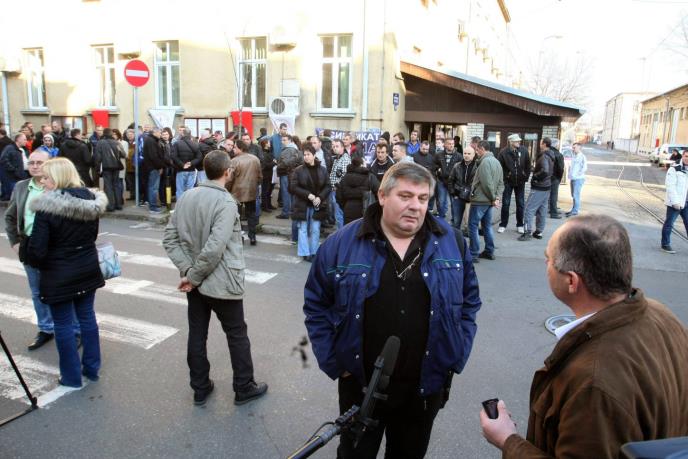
<point>136,73</point>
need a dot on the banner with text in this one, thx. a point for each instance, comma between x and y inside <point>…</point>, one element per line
<point>368,138</point>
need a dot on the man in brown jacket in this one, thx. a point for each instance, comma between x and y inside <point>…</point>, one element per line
<point>245,177</point>
<point>619,373</point>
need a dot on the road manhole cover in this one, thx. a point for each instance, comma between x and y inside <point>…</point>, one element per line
<point>555,322</point>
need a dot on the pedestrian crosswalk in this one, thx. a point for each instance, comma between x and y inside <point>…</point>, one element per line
<point>131,332</point>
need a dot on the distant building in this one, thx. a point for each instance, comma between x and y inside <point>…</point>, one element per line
<point>410,64</point>
<point>664,119</point>
<point>621,123</point>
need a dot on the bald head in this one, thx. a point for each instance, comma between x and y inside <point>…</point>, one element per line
<point>36,161</point>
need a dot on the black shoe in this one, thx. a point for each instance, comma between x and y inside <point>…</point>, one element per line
<point>200,397</point>
<point>40,339</point>
<point>555,216</point>
<point>266,210</point>
<point>487,256</point>
<point>78,341</point>
<point>118,208</point>
<point>253,241</point>
<point>475,259</point>
<point>525,236</point>
<point>282,217</point>
<point>252,391</point>
<point>668,249</point>
<point>537,235</point>
<point>271,207</point>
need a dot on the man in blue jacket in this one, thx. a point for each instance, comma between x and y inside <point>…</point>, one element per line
<point>401,272</point>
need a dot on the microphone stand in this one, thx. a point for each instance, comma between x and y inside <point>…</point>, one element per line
<point>358,420</point>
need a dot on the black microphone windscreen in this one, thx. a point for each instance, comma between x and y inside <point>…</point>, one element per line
<point>389,354</point>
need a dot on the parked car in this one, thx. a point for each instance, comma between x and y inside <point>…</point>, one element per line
<point>661,154</point>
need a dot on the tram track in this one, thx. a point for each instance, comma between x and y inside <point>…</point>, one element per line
<point>649,211</point>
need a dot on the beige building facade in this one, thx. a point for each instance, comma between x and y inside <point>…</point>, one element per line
<point>329,65</point>
<point>621,123</point>
<point>664,119</point>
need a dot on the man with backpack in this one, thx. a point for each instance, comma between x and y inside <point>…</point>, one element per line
<point>186,157</point>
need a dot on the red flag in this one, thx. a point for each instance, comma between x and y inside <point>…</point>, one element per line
<point>246,121</point>
<point>101,117</point>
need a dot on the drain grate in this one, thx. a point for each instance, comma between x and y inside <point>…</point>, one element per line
<point>557,321</point>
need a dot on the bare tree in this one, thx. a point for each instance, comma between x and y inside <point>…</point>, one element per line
<point>564,78</point>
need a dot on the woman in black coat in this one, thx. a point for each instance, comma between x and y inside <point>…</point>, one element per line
<point>62,247</point>
<point>310,189</point>
<point>352,188</point>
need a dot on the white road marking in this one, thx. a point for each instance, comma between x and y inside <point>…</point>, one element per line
<point>37,375</point>
<point>113,328</point>
<point>49,397</point>
<point>273,240</point>
<point>144,289</point>
<point>254,277</point>
<point>618,163</point>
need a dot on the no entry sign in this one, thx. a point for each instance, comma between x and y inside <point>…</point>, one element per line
<point>136,73</point>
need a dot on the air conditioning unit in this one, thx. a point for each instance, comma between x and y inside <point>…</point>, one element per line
<point>284,106</point>
<point>10,64</point>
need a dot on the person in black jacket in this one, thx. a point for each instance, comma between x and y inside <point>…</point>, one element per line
<point>267,164</point>
<point>107,157</point>
<point>186,157</point>
<point>540,185</point>
<point>153,164</point>
<point>382,161</point>
<point>62,247</point>
<point>557,175</point>
<point>352,189</point>
<point>309,186</point>
<point>516,166</point>
<point>12,165</point>
<point>459,185</point>
<point>444,162</point>
<point>76,150</point>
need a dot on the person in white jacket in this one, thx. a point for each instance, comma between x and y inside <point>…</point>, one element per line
<point>576,176</point>
<point>676,200</point>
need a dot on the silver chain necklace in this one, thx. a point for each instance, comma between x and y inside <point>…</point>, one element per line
<point>404,273</point>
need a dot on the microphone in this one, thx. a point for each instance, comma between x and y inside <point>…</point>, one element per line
<point>384,367</point>
<point>357,420</point>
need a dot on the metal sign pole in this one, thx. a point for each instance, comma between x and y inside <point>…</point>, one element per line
<point>136,143</point>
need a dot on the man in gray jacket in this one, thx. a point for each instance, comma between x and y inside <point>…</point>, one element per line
<point>19,225</point>
<point>203,239</point>
<point>487,189</point>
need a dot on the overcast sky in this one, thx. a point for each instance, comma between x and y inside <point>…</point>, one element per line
<point>613,35</point>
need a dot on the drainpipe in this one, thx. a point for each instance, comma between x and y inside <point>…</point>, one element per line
<point>364,96</point>
<point>382,69</point>
<point>5,103</point>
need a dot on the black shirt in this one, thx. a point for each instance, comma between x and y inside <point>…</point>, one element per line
<point>400,307</point>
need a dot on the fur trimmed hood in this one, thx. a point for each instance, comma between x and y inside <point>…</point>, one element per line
<point>73,203</point>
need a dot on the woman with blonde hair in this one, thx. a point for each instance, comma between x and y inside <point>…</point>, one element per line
<point>62,247</point>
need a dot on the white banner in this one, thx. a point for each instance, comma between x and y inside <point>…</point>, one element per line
<point>163,117</point>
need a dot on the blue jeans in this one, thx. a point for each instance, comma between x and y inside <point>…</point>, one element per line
<point>153,185</point>
<point>309,234</point>
<point>480,214</point>
<point>185,181</point>
<point>201,177</point>
<point>284,193</point>
<point>671,216</point>
<point>43,316</point>
<point>338,212</point>
<point>258,200</point>
<point>576,187</point>
<point>442,196</point>
<point>63,314</point>
<point>458,208</point>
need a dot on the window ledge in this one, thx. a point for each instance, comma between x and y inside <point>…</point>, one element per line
<point>111,110</point>
<point>342,114</point>
<point>255,111</point>
<point>36,111</point>
<point>179,110</point>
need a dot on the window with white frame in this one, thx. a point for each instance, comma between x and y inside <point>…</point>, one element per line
<point>35,77</point>
<point>252,65</point>
<point>104,57</point>
<point>335,83</point>
<point>167,74</point>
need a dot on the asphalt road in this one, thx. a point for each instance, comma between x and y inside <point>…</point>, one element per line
<point>142,405</point>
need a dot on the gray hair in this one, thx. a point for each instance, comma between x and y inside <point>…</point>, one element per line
<point>408,171</point>
<point>156,129</point>
<point>597,248</point>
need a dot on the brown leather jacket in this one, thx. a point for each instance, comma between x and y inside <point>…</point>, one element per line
<point>245,176</point>
<point>620,376</point>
